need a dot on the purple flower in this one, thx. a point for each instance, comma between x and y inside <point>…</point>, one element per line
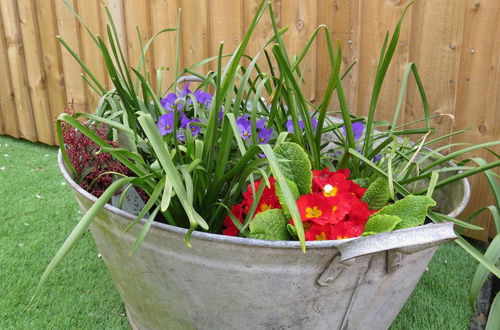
<point>261,123</point>
<point>181,137</point>
<point>166,123</point>
<point>357,129</point>
<point>184,120</point>
<point>168,101</point>
<point>195,129</point>
<point>377,158</point>
<point>220,115</point>
<point>185,91</point>
<point>245,127</point>
<point>314,123</point>
<point>265,135</point>
<point>290,128</point>
<point>204,98</point>
<point>338,154</point>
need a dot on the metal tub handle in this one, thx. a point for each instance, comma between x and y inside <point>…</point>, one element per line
<point>407,240</point>
<point>395,244</point>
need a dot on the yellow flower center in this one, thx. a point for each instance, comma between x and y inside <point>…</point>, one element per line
<point>342,237</point>
<point>329,190</point>
<point>334,208</point>
<point>167,126</point>
<point>321,237</point>
<point>245,133</point>
<point>265,207</point>
<point>314,212</point>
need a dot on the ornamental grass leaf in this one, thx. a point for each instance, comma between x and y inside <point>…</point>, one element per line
<point>279,193</point>
<point>297,167</point>
<point>292,231</point>
<point>380,223</point>
<point>270,225</point>
<point>377,194</point>
<point>412,210</point>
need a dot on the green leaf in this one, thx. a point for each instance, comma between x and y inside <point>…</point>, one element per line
<point>377,194</point>
<point>289,199</point>
<point>492,254</point>
<point>382,68</point>
<point>379,223</point>
<point>412,210</point>
<point>144,231</point>
<point>150,203</point>
<point>292,231</point>
<point>270,225</point>
<point>494,316</point>
<point>362,182</point>
<point>80,228</point>
<point>297,168</point>
<point>167,195</point>
<point>163,155</point>
<point>279,193</point>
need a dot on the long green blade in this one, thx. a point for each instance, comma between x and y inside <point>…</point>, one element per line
<point>80,228</point>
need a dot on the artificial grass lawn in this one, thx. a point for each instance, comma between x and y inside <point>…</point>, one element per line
<point>37,212</point>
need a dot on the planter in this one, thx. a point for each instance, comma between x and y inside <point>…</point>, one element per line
<point>237,283</point>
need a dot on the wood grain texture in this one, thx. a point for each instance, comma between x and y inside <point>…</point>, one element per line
<point>51,60</point>
<point>36,74</point>
<point>117,11</point>
<point>376,19</point>
<point>90,53</point>
<point>138,14</point>
<point>342,17</point>
<point>441,43</point>
<point>69,30</point>
<point>477,99</point>
<point>225,26</point>
<point>18,74</point>
<point>163,15</point>
<point>7,102</point>
<point>301,18</point>
<point>194,33</point>
<point>262,33</point>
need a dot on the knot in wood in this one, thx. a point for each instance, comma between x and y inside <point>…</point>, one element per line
<point>299,25</point>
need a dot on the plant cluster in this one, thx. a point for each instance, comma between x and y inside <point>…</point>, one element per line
<point>94,168</point>
<point>257,146</point>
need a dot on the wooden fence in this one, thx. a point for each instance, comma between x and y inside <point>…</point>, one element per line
<point>454,43</point>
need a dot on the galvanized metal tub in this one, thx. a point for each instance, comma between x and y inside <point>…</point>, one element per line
<point>236,283</point>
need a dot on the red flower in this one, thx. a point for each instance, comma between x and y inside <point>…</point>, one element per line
<point>332,211</point>
<point>230,229</point>
<point>357,190</point>
<point>360,213</point>
<point>315,207</point>
<point>267,201</point>
<point>341,205</point>
<point>331,183</point>
<point>317,232</point>
<point>346,229</point>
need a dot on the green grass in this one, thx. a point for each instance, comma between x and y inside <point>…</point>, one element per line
<point>37,212</point>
